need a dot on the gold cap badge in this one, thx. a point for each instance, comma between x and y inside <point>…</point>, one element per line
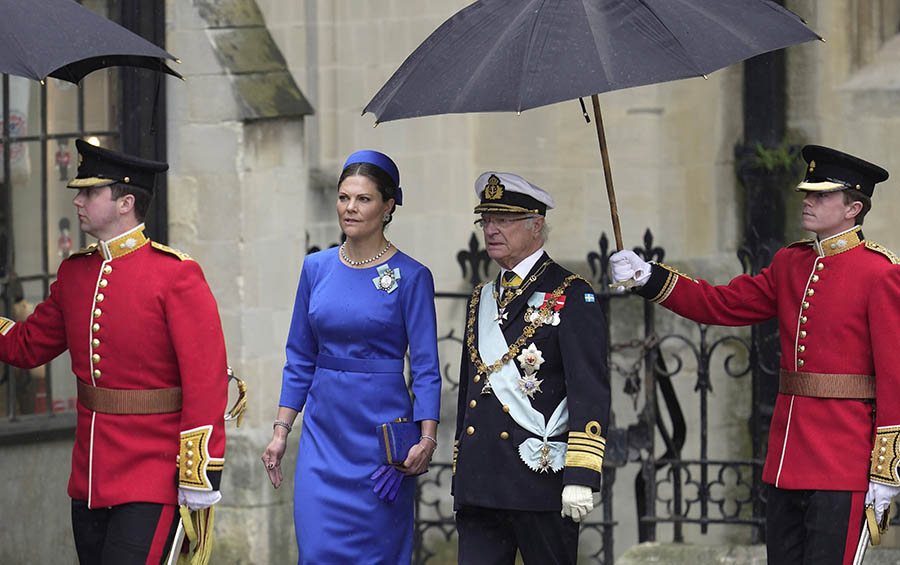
<point>493,190</point>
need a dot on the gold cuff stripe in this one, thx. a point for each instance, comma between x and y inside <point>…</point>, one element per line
<point>598,451</point>
<point>194,460</point>
<point>885,456</point>
<point>587,437</point>
<point>586,460</point>
<point>215,465</point>
<point>5,325</point>
<point>671,279</point>
<point>582,446</point>
<point>575,440</point>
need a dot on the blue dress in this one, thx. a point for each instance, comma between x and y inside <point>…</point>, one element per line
<point>345,358</point>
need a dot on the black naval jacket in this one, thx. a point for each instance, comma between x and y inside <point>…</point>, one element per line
<point>487,469</point>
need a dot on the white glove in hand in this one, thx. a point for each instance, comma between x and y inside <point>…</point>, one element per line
<point>881,496</point>
<point>577,501</point>
<point>198,499</point>
<point>626,265</point>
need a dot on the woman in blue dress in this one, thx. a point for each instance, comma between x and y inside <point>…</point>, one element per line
<point>359,307</point>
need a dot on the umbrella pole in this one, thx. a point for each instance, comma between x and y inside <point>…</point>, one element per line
<point>607,172</point>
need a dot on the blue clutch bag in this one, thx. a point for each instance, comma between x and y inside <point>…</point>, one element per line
<point>395,439</point>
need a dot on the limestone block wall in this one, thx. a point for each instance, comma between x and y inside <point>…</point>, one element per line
<point>845,93</point>
<point>237,204</point>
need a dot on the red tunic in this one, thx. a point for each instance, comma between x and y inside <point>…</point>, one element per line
<point>838,310</point>
<point>134,315</point>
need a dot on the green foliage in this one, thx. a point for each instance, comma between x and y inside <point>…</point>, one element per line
<point>780,158</point>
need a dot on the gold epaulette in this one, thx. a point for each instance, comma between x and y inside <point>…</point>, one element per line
<point>878,248</point>
<point>586,448</point>
<point>802,242</point>
<point>176,252</point>
<point>885,456</point>
<point>85,250</point>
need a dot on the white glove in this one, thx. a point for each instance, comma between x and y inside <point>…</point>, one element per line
<point>627,265</point>
<point>198,499</point>
<point>881,495</point>
<point>577,501</point>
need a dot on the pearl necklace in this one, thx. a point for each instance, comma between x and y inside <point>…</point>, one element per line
<point>364,261</point>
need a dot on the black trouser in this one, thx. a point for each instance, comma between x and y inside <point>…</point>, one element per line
<point>806,527</point>
<point>134,533</point>
<point>490,536</point>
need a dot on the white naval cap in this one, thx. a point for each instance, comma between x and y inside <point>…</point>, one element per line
<point>511,194</point>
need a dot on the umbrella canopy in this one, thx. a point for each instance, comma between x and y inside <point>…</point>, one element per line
<point>512,55</point>
<point>64,40</point>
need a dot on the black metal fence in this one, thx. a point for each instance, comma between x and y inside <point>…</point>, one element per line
<point>669,487</point>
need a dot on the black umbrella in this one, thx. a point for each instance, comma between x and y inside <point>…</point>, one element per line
<point>64,40</point>
<point>512,55</point>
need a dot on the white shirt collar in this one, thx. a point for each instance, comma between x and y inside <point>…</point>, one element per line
<point>525,265</point>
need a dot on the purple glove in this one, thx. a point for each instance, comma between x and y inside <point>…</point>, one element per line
<point>387,482</point>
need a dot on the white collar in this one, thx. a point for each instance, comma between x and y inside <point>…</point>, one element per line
<point>525,265</point>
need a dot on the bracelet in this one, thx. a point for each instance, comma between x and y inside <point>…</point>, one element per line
<point>284,425</point>
<point>426,436</point>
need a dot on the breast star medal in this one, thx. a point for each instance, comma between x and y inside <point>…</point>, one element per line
<point>530,360</point>
<point>387,278</point>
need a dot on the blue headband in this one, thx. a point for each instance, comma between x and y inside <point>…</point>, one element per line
<point>381,161</point>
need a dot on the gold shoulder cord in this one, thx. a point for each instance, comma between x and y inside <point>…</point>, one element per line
<point>528,332</point>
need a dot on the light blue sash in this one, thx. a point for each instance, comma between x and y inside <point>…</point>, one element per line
<point>492,346</point>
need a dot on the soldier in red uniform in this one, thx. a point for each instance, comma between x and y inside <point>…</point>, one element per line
<point>837,298</point>
<point>143,332</point>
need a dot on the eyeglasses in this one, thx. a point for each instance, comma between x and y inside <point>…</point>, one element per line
<point>501,222</point>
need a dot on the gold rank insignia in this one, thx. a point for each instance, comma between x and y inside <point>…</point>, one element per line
<point>493,190</point>
<point>586,449</point>
<point>176,252</point>
<point>5,325</point>
<point>85,250</point>
<point>878,248</point>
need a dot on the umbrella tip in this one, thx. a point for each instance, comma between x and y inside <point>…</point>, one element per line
<point>822,39</point>
<point>518,113</point>
<point>705,77</point>
<point>42,82</point>
<point>375,125</point>
<point>177,60</point>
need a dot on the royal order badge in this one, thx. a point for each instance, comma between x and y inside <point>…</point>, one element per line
<point>387,278</point>
<point>530,360</point>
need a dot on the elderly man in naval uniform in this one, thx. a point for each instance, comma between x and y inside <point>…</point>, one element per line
<point>533,391</point>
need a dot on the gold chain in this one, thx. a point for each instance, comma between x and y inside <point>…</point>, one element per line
<point>527,333</point>
<point>509,295</point>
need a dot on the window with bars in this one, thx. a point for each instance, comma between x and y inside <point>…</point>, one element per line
<point>118,108</point>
